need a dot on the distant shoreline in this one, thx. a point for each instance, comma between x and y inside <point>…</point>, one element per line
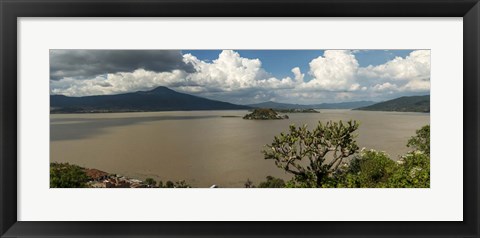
<point>130,111</point>
<point>226,116</point>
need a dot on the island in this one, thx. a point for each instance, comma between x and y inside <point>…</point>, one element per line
<point>264,114</point>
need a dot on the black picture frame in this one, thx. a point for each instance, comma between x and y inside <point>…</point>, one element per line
<point>10,10</point>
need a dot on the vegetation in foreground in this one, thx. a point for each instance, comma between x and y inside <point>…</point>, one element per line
<point>64,175</point>
<point>327,157</point>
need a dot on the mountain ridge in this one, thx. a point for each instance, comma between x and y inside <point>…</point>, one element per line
<point>401,104</point>
<point>158,99</point>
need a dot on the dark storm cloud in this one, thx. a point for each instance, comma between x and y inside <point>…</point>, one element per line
<point>90,63</point>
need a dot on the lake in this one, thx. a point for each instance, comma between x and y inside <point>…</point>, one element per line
<point>202,147</point>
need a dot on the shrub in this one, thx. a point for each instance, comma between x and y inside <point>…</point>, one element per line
<point>248,184</point>
<point>421,141</point>
<point>150,182</point>
<point>178,184</point>
<point>65,175</point>
<point>169,184</point>
<point>413,171</point>
<point>369,170</point>
<point>272,182</point>
<point>181,184</point>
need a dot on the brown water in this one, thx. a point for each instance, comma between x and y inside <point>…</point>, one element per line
<point>202,147</point>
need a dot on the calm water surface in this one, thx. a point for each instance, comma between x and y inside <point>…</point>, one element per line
<point>202,147</point>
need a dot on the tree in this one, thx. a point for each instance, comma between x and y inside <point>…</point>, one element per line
<point>182,184</point>
<point>169,184</point>
<point>313,156</point>
<point>248,184</point>
<point>150,182</point>
<point>65,175</point>
<point>376,169</point>
<point>272,182</point>
<point>413,171</point>
<point>178,184</point>
<point>421,141</point>
<point>371,169</point>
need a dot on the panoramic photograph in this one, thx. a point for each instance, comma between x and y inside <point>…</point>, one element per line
<point>330,118</point>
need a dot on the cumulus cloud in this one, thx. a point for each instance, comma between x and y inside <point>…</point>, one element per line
<point>333,76</point>
<point>413,67</point>
<point>298,75</point>
<point>84,64</point>
<point>231,72</point>
<point>123,82</point>
<point>335,70</point>
<point>409,74</point>
<point>385,87</point>
<point>417,85</point>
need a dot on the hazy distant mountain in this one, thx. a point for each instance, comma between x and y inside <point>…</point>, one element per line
<point>344,105</point>
<point>276,105</point>
<point>341,105</point>
<point>402,104</point>
<point>158,99</point>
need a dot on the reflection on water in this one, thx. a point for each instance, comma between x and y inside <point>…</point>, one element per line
<point>203,147</point>
<point>78,128</point>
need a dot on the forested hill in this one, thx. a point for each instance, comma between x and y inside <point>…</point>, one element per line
<point>158,99</point>
<point>402,104</point>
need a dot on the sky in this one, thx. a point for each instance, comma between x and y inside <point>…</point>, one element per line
<point>245,76</point>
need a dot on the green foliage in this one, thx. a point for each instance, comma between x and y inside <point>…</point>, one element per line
<point>413,172</point>
<point>376,169</point>
<point>65,175</point>
<point>150,182</point>
<point>249,184</point>
<point>169,184</point>
<point>304,153</point>
<point>308,180</point>
<point>272,182</point>
<point>181,184</point>
<point>421,141</point>
<point>414,168</point>
<point>370,170</point>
